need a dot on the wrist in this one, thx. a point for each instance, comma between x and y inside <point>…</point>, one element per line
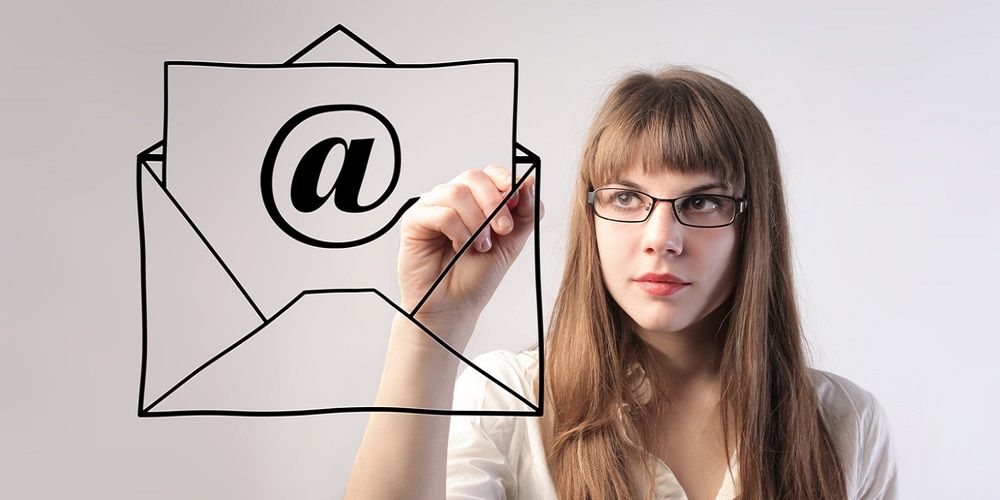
<point>453,329</point>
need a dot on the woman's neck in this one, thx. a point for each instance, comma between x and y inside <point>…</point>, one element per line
<point>690,359</point>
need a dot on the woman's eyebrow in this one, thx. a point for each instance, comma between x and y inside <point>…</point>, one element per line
<point>629,184</point>
<point>703,187</point>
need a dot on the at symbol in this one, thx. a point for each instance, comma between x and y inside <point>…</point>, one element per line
<point>345,190</point>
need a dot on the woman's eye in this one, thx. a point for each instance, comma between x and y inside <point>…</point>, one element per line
<point>624,197</point>
<point>702,203</point>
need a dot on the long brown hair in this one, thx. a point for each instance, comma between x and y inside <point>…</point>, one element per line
<point>689,122</point>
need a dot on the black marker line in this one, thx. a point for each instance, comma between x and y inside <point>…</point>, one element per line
<point>513,131</point>
<point>142,276</point>
<point>344,409</point>
<point>531,158</point>
<point>450,64</point>
<point>528,155</point>
<point>287,306</point>
<point>166,110</point>
<point>538,280</point>
<point>457,354</point>
<point>211,248</point>
<point>469,242</point>
<point>148,155</point>
<point>349,33</point>
<point>225,351</point>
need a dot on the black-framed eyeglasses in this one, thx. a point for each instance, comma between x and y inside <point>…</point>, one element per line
<point>695,210</point>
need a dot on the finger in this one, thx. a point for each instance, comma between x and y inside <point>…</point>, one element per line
<point>503,181</point>
<point>525,224</point>
<point>488,195</point>
<point>459,197</point>
<point>500,176</point>
<point>434,221</point>
<point>526,207</point>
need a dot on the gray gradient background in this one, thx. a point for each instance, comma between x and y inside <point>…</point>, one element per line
<point>882,114</point>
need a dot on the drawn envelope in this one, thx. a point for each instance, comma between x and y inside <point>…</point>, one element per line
<point>268,226</point>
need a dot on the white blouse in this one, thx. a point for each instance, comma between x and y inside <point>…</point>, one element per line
<point>503,457</point>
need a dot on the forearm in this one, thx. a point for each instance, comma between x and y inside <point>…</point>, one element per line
<point>404,455</point>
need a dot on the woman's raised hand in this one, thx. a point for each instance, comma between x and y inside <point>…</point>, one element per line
<point>437,227</point>
<point>417,372</point>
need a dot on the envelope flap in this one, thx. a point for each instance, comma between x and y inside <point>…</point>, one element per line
<point>345,47</point>
<point>154,158</point>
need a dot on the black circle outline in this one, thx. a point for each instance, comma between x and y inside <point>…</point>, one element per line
<point>267,172</point>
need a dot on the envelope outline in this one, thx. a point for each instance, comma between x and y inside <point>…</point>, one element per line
<point>157,154</point>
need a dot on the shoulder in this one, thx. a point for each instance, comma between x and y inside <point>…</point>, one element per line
<point>860,428</point>
<point>840,399</point>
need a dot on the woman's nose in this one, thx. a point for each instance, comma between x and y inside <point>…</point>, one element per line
<point>662,232</point>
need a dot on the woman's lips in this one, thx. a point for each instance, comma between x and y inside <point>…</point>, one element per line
<point>660,288</point>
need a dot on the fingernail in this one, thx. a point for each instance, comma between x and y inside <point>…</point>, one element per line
<point>505,222</point>
<point>488,244</point>
<point>514,201</point>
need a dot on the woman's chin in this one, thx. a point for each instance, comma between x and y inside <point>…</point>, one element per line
<point>660,325</point>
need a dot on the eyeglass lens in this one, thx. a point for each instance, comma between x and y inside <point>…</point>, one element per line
<point>696,210</point>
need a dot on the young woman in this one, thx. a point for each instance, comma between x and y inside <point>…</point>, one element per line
<point>675,364</point>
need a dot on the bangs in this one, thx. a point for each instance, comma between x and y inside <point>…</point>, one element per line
<point>662,126</point>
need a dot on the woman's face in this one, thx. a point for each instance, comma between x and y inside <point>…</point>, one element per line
<point>703,257</point>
